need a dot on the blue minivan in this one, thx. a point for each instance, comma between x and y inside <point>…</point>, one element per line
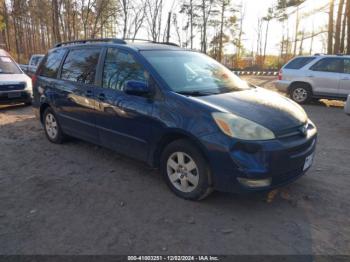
<point>177,110</point>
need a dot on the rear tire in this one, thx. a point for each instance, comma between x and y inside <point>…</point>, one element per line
<point>301,93</point>
<point>52,127</point>
<point>185,170</point>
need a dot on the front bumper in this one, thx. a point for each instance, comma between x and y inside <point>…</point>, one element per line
<point>15,96</point>
<point>281,161</point>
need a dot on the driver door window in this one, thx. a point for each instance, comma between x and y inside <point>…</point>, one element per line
<point>331,65</point>
<point>120,67</point>
<point>325,75</point>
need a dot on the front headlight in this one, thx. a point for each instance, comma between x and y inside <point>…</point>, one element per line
<point>241,128</point>
<point>28,85</point>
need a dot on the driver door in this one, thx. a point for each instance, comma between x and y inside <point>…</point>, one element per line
<point>344,86</point>
<point>325,76</point>
<point>123,121</point>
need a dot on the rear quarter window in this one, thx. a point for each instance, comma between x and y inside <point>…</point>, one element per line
<point>50,65</point>
<point>299,62</point>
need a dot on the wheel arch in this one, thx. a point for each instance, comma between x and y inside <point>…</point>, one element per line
<point>43,107</point>
<point>296,83</point>
<point>170,137</point>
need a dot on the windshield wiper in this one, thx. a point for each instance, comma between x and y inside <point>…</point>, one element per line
<point>196,93</point>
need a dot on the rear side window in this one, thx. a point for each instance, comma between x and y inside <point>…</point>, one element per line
<point>120,67</point>
<point>333,65</point>
<point>80,65</point>
<point>52,63</point>
<point>299,62</point>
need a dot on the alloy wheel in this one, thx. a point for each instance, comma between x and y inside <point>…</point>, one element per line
<point>183,172</point>
<point>299,95</point>
<point>51,126</point>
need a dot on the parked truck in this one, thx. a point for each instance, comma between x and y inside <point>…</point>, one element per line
<point>34,61</point>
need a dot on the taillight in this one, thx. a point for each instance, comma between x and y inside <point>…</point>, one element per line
<point>280,75</point>
<point>34,78</point>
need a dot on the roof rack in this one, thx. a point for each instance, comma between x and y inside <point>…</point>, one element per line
<point>137,40</point>
<point>112,40</point>
<point>84,41</point>
<point>149,41</point>
<point>168,43</point>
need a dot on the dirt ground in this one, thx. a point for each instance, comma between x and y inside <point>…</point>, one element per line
<point>78,198</point>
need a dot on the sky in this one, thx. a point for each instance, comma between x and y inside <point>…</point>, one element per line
<point>258,8</point>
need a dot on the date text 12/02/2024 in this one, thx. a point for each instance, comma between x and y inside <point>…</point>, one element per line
<point>173,258</point>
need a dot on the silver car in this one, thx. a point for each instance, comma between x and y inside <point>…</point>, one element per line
<point>319,76</point>
<point>347,106</point>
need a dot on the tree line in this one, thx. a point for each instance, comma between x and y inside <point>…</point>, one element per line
<point>339,27</point>
<point>34,26</point>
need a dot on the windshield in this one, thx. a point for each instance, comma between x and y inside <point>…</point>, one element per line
<point>7,66</point>
<point>194,73</point>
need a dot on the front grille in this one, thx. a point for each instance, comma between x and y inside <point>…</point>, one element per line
<point>301,130</point>
<point>290,132</point>
<point>301,148</point>
<point>5,98</point>
<point>12,87</point>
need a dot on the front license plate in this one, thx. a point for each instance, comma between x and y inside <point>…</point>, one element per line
<point>14,94</point>
<point>308,162</point>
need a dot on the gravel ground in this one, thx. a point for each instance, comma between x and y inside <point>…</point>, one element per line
<point>78,198</point>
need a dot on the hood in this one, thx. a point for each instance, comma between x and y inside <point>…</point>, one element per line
<point>264,107</point>
<point>13,78</point>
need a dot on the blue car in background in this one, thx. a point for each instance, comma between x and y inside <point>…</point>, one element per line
<point>177,110</point>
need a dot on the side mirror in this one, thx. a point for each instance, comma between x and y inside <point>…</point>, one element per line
<point>136,88</point>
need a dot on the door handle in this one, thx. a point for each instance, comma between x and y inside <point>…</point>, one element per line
<point>311,76</point>
<point>345,78</point>
<point>101,97</point>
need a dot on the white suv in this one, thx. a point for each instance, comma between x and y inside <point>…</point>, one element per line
<point>15,86</point>
<point>319,76</point>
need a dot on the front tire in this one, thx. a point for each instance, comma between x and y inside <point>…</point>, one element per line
<point>52,127</point>
<point>301,93</point>
<point>186,171</point>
